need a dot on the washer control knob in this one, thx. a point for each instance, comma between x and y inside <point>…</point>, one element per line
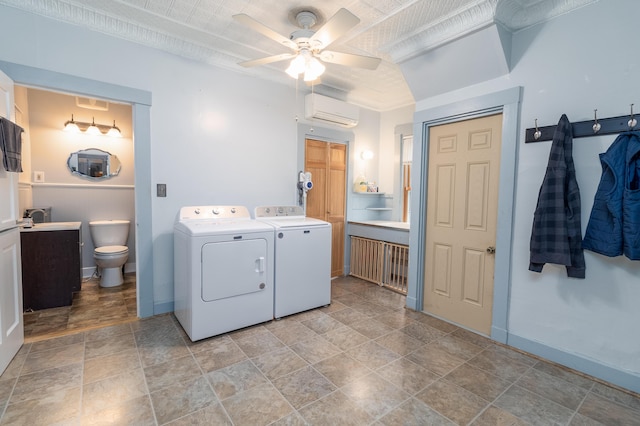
<point>233,209</point>
<point>197,211</point>
<point>262,286</point>
<point>216,211</point>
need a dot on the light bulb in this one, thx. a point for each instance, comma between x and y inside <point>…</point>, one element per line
<point>71,126</point>
<point>93,129</point>
<point>114,131</point>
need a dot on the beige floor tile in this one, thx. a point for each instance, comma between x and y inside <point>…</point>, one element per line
<point>485,385</point>
<point>52,358</point>
<point>335,409</point>
<point>136,412</point>
<point>258,343</point>
<point>317,367</point>
<point>109,345</point>
<point>414,412</point>
<point>303,387</point>
<point>315,349</point>
<point>399,342</point>
<point>345,337</point>
<point>293,332</point>
<point>30,386</point>
<point>61,407</point>
<point>554,388</point>
<point>532,408</point>
<point>258,406</point>
<point>494,416</point>
<point>348,316</point>
<point>407,375</point>
<point>105,366</point>
<point>373,355</point>
<point>371,328</point>
<point>375,395</point>
<point>279,362</point>
<point>113,390</point>
<point>322,324</point>
<point>342,369</point>
<point>435,359</point>
<point>212,414</point>
<point>163,375</point>
<point>183,398</point>
<point>499,365</point>
<point>453,402</point>
<point>608,412</point>
<point>236,378</point>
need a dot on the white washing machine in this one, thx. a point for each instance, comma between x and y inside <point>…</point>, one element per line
<point>302,259</point>
<point>223,263</point>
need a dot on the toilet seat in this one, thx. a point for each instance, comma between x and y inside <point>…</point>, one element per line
<point>111,250</point>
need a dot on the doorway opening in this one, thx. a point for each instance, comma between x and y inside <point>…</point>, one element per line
<point>71,194</point>
<point>140,102</point>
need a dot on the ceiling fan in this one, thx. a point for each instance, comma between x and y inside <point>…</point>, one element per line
<point>308,45</point>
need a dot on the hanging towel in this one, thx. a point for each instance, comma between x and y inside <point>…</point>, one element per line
<point>556,236</point>
<point>614,223</point>
<point>11,145</point>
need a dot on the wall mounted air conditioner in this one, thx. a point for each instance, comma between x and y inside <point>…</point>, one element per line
<point>334,111</point>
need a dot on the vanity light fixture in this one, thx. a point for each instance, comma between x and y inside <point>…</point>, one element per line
<point>92,128</point>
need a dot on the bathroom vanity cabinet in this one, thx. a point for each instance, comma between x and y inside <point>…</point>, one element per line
<point>51,264</point>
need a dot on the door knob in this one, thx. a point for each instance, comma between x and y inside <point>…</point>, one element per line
<point>491,250</point>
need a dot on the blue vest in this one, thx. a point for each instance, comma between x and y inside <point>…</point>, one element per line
<point>614,224</point>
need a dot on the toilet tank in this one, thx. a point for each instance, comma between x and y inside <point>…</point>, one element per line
<point>109,232</point>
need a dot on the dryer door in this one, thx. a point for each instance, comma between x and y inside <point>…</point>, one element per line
<point>233,268</point>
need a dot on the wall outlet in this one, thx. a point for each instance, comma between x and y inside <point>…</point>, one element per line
<point>38,177</point>
<point>161,190</point>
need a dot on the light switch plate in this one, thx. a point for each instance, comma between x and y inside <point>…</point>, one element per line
<point>38,177</point>
<point>161,190</point>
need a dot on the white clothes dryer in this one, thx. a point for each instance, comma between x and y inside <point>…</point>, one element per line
<point>302,259</point>
<point>223,270</point>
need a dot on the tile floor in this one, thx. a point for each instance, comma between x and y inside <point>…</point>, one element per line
<point>364,360</point>
<point>91,307</point>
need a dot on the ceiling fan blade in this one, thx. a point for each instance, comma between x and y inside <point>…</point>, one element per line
<point>267,60</point>
<point>264,30</point>
<point>334,28</point>
<point>359,61</point>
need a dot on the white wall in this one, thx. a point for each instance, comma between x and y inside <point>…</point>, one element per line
<point>572,64</point>
<point>217,137</point>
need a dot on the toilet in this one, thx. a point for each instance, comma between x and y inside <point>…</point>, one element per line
<point>111,253</point>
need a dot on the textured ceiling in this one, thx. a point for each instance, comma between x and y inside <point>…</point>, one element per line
<point>394,30</point>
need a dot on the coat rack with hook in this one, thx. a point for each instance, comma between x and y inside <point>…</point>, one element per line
<point>581,129</point>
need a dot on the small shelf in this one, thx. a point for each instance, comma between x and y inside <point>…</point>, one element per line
<point>379,208</point>
<point>368,193</point>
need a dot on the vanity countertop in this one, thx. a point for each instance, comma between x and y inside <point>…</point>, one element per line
<point>53,226</point>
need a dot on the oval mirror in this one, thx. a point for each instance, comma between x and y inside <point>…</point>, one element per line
<point>93,163</point>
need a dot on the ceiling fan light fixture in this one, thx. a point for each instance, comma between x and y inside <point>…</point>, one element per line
<point>297,66</point>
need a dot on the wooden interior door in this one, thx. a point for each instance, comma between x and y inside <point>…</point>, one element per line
<point>462,200</point>
<point>327,163</point>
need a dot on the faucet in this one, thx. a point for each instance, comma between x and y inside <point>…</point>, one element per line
<point>30,215</point>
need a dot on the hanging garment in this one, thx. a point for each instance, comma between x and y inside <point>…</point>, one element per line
<point>556,236</point>
<point>11,145</point>
<point>614,223</point>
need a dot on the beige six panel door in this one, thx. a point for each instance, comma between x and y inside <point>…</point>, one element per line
<point>327,163</point>
<point>462,200</point>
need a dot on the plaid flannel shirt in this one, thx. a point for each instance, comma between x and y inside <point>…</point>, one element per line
<point>556,236</point>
